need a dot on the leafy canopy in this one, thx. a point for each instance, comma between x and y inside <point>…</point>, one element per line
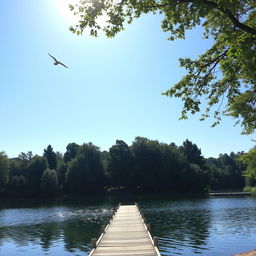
<point>224,76</point>
<point>250,160</point>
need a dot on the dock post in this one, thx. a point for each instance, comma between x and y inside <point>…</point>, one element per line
<point>155,239</point>
<point>94,242</point>
<point>143,217</point>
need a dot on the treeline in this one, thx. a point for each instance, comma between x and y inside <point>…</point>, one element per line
<point>147,166</point>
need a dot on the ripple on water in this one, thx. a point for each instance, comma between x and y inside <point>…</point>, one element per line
<point>185,227</point>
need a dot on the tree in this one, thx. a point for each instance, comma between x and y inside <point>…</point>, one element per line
<point>173,163</point>
<point>4,170</point>
<point>192,153</point>
<point>85,172</point>
<point>26,156</point>
<point>35,170</point>
<point>120,165</point>
<point>71,151</point>
<point>19,166</point>
<point>18,183</point>
<point>250,160</point>
<point>224,76</point>
<point>50,155</point>
<point>226,171</point>
<point>49,182</point>
<point>61,173</point>
<point>149,167</point>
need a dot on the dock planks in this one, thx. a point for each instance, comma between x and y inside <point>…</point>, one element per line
<point>229,193</point>
<point>126,235</point>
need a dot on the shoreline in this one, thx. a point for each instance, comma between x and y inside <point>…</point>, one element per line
<point>250,253</point>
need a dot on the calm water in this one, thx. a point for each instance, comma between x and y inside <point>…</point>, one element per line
<point>209,226</point>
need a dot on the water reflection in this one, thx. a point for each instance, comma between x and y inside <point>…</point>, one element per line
<point>185,227</point>
<point>180,225</point>
<point>215,226</point>
<point>69,229</point>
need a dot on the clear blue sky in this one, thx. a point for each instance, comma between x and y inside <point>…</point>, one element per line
<point>112,89</point>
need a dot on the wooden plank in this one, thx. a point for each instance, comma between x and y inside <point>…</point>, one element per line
<point>230,193</point>
<point>126,235</point>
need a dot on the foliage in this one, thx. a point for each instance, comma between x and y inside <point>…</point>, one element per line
<point>192,153</point>
<point>223,75</point>
<point>26,156</point>
<point>71,151</point>
<point>49,182</point>
<point>4,170</point>
<point>61,173</point>
<point>250,160</point>
<point>147,166</point>
<point>18,184</point>
<point>250,189</point>
<point>85,172</point>
<point>162,167</point>
<point>226,172</point>
<point>120,165</point>
<point>50,155</point>
<point>35,170</point>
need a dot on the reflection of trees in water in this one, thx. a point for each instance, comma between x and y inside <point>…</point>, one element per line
<point>21,235</point>
<point>75,234</point>
<point>42,234</point>
<point>49,233</point>
<point>180,227</point>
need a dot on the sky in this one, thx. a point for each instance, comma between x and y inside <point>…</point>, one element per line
<point>111,90</point>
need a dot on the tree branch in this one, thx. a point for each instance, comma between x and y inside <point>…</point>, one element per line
<point>225,11</point>
<point>230,15</point>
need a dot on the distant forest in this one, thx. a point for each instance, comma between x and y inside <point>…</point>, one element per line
<point>147,166</point>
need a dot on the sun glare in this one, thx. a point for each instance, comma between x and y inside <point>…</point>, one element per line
<point>62,7</point>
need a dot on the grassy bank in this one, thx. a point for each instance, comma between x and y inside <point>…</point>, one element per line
<point>250,189</point>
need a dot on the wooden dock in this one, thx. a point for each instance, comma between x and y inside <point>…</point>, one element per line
<point>126,235</point>
<point>229,193</point>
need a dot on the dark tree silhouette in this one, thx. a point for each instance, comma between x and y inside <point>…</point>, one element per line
<point>50,155</point>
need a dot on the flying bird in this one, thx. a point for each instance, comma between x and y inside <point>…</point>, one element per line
<point>57,62</point>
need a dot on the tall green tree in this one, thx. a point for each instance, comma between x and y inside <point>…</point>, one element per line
<point>192,153</point>
<point>50,155</point>
<point>224,76</point>
<point>85,172</point>
<point>148,164</point>
<point>49,182</point>
<point>173,164</point>
<point>71,151</point>
<point>4,170</point>
<point>250,160</point>
<point>35,170</point>
<point>61,173</point>
<point>121,165</point>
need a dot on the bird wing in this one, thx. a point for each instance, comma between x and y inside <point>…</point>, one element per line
<point>52,57</point>
<point>62,64</point>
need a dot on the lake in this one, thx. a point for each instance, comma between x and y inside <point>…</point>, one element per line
<point>185,226</point>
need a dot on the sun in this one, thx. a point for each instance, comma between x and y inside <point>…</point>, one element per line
<point>68,17</point>
<point>62,7</point>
